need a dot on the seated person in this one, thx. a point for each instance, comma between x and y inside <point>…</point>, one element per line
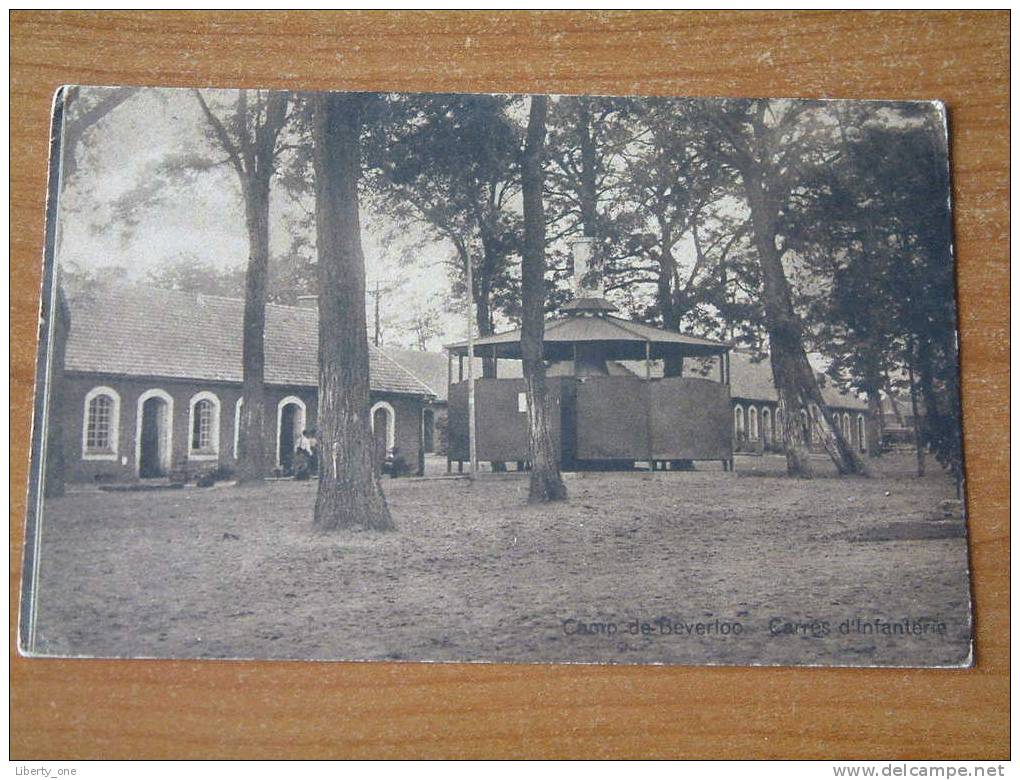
<point>306,454</point>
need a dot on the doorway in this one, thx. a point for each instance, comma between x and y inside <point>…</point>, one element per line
<point>383,419</point>
<point>154,443</point>
<point>429,430</point>
<point>380,421</point>
<point>291,424</point>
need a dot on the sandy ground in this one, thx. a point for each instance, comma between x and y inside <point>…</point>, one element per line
<point>701,567</point>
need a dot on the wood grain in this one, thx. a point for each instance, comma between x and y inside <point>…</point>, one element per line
<point>239,709</point>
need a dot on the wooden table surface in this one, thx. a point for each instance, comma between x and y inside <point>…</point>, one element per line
<point>275,709</point>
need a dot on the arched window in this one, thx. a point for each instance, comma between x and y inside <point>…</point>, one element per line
<point>778,427</point>
<point>387,411</point>
<point>101,424</point>
<point>862,436</point>
<point>752,423</point>
<point>738,422</point>
<point>204,427</point>
<point>766,426</point>
<point>846,425</point>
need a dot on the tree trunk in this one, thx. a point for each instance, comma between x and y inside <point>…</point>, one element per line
<point>546,482</point>
<point>251,439</point>
<point>795,379</point>
<point>672,366</point>
<point>252,152</point>
<point>893,402</point>
<point>483,320</point>
<point>349,491</point>
<point>918,436</point>
<point>76,127</point>
<point>587,193</point>
<point>873,390</point>
<point>874,427</point>
<point>926,385</point>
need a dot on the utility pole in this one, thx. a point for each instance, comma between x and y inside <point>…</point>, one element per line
<point>472,444</point>
<point>377,294</point>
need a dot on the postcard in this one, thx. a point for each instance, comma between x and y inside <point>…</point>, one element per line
<point>497,378</point>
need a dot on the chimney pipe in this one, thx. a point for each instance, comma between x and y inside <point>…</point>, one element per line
<point>587,271</point>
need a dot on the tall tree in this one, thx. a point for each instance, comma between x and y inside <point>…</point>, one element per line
<point>671,182</point>
<point>82,113</point>
<point>250,138</point>
<point>923,279</point>
<point>451,164</point>
<point>349,492</point>
<point>423,324</point>
<point>879,228</point>
<point>546,483</point>
<point>80,117</point>
<point>768,144</point>
<point>585,149</point>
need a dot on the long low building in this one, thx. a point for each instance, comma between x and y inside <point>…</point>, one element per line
<point>757,419</point>
<point>151,384</point>
<point>756,415</point>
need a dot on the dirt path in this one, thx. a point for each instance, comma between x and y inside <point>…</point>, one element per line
<point>719,568</point>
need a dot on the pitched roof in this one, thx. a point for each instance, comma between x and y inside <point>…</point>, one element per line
<point>604,328</point>
<point>902,400</point>
<point>429,367</point>
<point>751,380</point>
<point>144,331</point>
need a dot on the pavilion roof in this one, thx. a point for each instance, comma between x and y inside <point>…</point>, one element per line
<point>622,338</point>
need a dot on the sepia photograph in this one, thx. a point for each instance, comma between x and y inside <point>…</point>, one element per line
<point>497,378</point>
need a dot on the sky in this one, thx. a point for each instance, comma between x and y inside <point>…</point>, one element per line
<point>202,216</point>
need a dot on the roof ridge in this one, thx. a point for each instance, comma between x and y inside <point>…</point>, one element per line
<point>622,324</point>
<point>194,295</point>
<point>190,294</point>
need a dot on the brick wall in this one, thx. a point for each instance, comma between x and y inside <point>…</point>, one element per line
<point>124,463</point>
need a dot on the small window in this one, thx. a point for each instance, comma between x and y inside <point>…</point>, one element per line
<point>767,433</point>
<point>204,434</point>
<point>738,422</point>
<point>522,403</point>
<point>752,423</point>
<point>201,433</point>
<point>97,434</point>
<point>101,425</point>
